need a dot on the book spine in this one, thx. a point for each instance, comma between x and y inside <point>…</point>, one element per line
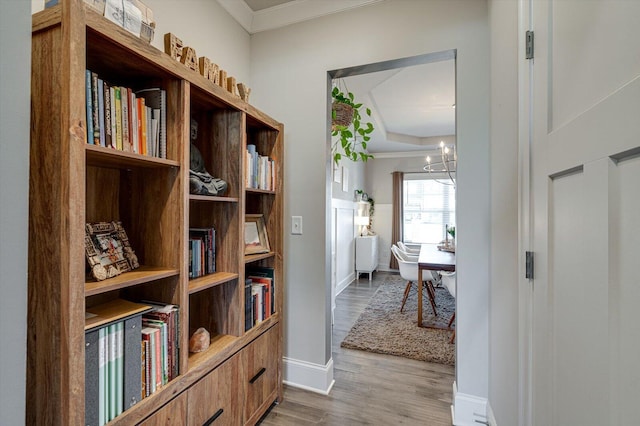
<point>111,398</point>
<point>114,142</point>
<point>102,376</point>
<point>94,109</point>
<point>134,123</point>
<point>158,358</point>
<point>132,364</point>
<point>118,118</point>
<point>107,114</point>
<point>147,368</point>
<point>163,124</point>
<point>143,369</point>
<point>142,124</point>
<point>124,100</point>
<point>119,367</point>
<point>100,90</point>
<point>91,377</point>
<point>88,99</point>
<point>149,131</point>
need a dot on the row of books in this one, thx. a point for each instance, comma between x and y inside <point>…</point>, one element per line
<point>127,120</point>
<point>259,293</point>
<point>202,251</point>
<point>160,348</point>
<point>260,172</point>
<point>128,359</point>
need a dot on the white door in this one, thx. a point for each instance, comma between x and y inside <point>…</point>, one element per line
<point>585,205</point>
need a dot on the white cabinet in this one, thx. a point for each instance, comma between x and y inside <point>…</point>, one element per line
<point>366,255</point>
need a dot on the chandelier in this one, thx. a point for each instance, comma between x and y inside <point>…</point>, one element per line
<point>443,165</point>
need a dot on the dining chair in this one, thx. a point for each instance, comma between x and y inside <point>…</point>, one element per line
<point>408,271</point>
<point>415,253</point>
<point>449,282</point>
<point>408,249</point>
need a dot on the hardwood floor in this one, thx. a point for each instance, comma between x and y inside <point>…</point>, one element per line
<point>370,389</point>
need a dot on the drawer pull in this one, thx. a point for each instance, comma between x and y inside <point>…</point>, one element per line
<point>257,376</point>
<point>214,417</point>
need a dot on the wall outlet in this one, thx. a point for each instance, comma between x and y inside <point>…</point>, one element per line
<point>296,225</point>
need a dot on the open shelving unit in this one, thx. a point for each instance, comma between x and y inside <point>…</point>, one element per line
<point>74,182</point>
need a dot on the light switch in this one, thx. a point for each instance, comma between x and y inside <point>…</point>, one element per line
<point>296,225</point>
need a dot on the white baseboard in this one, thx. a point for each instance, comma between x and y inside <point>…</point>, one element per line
<point>490,416</point>
<point>306,375</point>
<point>344,283</point>
<point>468,410</point>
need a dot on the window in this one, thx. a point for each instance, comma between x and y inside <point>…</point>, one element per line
<point>429,206</point>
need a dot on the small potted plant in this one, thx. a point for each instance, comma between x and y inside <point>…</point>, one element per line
<point>346,123</point>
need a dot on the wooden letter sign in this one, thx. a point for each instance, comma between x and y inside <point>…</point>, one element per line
<point>189,58</point>
<point>209,70</point>
<point>172,46</point>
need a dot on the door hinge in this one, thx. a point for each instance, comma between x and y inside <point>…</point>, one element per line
<point>529,44</point>
<point>528,274</point>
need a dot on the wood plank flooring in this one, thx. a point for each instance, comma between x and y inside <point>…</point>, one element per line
<point>370,389</point>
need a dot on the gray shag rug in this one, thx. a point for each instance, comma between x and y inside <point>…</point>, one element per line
<point>382,328</point>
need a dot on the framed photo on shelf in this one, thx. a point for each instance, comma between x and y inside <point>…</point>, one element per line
<point>255,235</point>
<point>108,251</point>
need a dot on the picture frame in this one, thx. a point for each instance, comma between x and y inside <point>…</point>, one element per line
<point>337,173</point>
<point>255,235</point>
<point>108,250</point>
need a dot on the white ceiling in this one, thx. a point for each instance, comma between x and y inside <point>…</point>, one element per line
<point>413,107</point>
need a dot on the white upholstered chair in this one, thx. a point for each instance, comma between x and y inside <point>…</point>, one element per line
<point>407,249</point>
<point>408,270</point>
<point>436,278</point>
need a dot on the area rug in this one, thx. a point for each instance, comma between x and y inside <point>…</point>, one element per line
<point>382,328</point>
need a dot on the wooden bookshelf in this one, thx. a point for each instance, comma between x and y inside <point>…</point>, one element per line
<point>73,182</point>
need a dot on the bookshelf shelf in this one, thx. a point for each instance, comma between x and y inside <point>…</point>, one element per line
<point>259,191</point>
<point>218,343</point>
<point>211,280</point>
<point>113,310</point>
<point>73,183</point>
<point>108,157</point>
<point>250,258</point>
<point>142,275</point>
<point>213,199</point>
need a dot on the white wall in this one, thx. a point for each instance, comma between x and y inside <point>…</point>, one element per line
<point>15,63</point>
<point>289,76</point>
<point>209,29</point>
<point>204,25</point>
<point>503,320</point>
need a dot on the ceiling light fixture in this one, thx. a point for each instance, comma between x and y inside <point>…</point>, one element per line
<point>445,165</point>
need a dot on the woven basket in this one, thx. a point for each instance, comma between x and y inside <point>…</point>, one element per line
<point>342,114</point>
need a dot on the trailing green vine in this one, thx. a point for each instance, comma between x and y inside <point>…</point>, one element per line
<point>352,138</point>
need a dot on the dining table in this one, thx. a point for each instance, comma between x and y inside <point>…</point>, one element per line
<point>432,258</point>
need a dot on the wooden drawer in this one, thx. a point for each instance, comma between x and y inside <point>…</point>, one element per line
<point>174,413</point>
<point>214,400</point>
<point>260,375</point>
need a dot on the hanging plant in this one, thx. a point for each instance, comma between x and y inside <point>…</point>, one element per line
<point>346,123</point>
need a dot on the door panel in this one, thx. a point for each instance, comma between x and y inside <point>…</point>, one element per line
<point>585,174</point>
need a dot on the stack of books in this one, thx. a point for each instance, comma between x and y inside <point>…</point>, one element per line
<point>202,251</point>
<point>131,350</point>
<point>260,299</point>
<point>119,117</point>
<point>260,170</point>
